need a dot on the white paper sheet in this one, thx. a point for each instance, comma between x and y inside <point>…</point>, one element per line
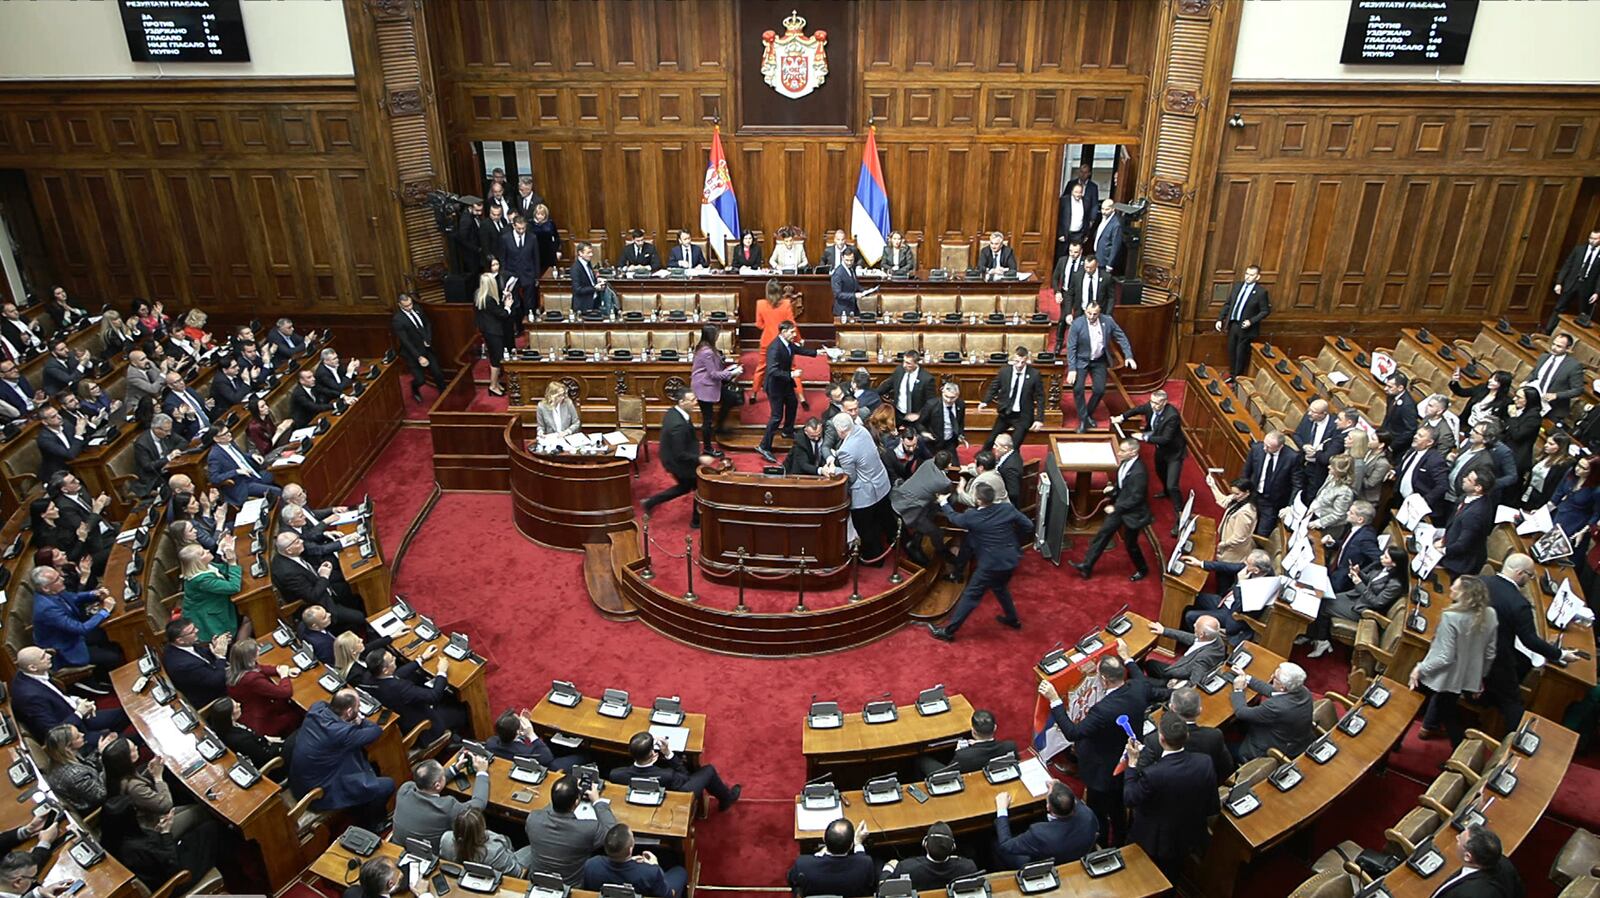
<point>628,451</point>
<point>345,517</point>
<point>289,460</point>
<point>1305,601</point>
<point>1339,378</point>
<point>1427,559</point>
<point>584,811</point>
<point>1537,521</point>
<point>1256,593</point>
<point>616,438</point>
<point>812,821</point>
<point>1414,509</point>
<point>250,512</point>
<point>1034,777</point>
<point>1505,514</point>
<point>388,624</point>
<point>1315,577</point>
<point>295,436</point>
<point>677,737</point>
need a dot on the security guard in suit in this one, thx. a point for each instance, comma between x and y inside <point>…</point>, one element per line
<point>1130,513</point>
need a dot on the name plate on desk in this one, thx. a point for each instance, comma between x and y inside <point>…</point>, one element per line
<point>331,681</point>
<point>184,720</point>
<point>244,774</point>
<point>1119,625</point>
<point>547,885</point>
<point>882,790</point>
<point>425,630</point>
<point>1241,660</point>
<point>1504,782</point>
<point>1526,741</point>
<point>899,887</point>
<point>162,691</point>
<point>458,648</point>
<point>880,712</point>
<point>210,748</point>
<point>1376,695</point>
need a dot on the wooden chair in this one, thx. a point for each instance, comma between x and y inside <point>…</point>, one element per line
<point>678,340</point>
<point>981,304</point>
<point>1036,342</point>
<point>1582,887</point>
<point>634,341</point>
<point>416,753</point>
<point>895,343</point>
<point>985,343</point>
<point>955,255</point>
<point>1376,638</point>
<point>850,341</point>
<point>893,305</point>
<point>1444,793</point>
<point>557,299</point>
<point>1471,758</point>
<point>1578,859</point>
<point>179,885</point>
<point>940,305</point>
<point>547,341</point>
<point>638,302</point>
<point>1327,884</point>
<point>719,302</point>
<point>588,340</point>
<point>630,420</point>
<point>937,343</point>
<point>1417,825</point>
<point>1019,303</point>
<point>684,302</point>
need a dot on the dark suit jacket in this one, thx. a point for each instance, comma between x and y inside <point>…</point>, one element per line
<point>303,406</point>
<point>469,242</point>
<point>331,383</point>
<point>1514,621</point>
<point>228,391</point>
<point>992,532</point>
<point>296,584</point>
<point>971,758</point>
<point>1566,383</point>
<point>56,455</point>
<point>1286,475</point>
<point>522,263</point>
<point>644,254</point>
<point>331,753</point>
<point>852,874</point>
<point>39,709</point>
<point>1078,293</point>
<point>1359,547</point>
<point>1109,243</point>
<point>922,389</point>
<point>672,774</point>
<point>202,680</point>
<point>676,256</point>
<point>584,295</point>
<point>1165,429</point>
<point>1430,479</point>
<point>829,259</point>
<point>1066,269</point>
<point>780,360</point>
<point>905,263</point>
<point>412,703</point>
<point>1131,500</point>
<point>932,424</point>
<point>290,343</point>
<point>805,457</point>
<point>1171,801</point>
<point>1091,212</point>
<point>1279,721</point>
<point>1503,881</point>
<point>1097,737</point>
<point>743,257</point>
<point>1466,538</point>
<point>150,461</point>
<point>1316,470</point>
<point>1575,284</point>
<point>415,342</point>
<point>321,642</point>
<point>1061,840</point>
<point>680,446</point>
<point>845,290</point>
<point>1400,421</point>
<point>59,375</point>
<point>1008,259</point>
<point>926,873</point>
<point>1188,665</point>
<point>1011,473</point>
<point>1207,741</point>
<point>999,394</point>
<point>1256,308</point>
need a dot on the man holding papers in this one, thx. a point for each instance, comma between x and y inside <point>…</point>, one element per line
<point>1257,587</point>
<point>846,289</point>
<point>1423,471</point>
<point>1517,640</point>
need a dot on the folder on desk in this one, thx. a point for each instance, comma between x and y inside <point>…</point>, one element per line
<point>1256,593</point>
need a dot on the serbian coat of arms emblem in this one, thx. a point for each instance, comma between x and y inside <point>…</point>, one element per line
<point>795,65</point>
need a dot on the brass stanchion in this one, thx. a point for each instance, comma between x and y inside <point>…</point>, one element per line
<point>741,607</point>
<point>800,600</point>
<point>688,566</point>
<point>649,572</point>
<point>894,548</point>
<point>855,563</point>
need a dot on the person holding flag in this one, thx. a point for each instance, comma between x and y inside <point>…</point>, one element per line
<point>869,213</point>
<point>719,208</point>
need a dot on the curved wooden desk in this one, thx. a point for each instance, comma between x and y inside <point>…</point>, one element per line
<point>775,521</point>
<point>564,501</point>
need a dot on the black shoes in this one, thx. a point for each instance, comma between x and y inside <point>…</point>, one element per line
<point>941,634</point>
<point>1012,622</point>
<point>733,797</point>
<point>1085,571</point>
<point>416,394</point>
<point>1136,576</point>
<point>1081,426</point>
<point>766,453</point>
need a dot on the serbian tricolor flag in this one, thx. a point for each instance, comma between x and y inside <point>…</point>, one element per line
<point>1079,687</point>
<point>869,214</point>
<point>719,209</point>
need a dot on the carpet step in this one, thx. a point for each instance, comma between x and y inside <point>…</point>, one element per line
<point>602,583</point>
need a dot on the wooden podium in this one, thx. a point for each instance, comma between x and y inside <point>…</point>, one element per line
<point>775,521</point>
<point>1084,455</point>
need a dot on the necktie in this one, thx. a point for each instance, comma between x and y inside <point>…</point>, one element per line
<point>241,461</point>
<point>905,393</point>
<point>199,410</point>
<point>1588,261</point>
<point>1016,391</point>
<point>1238,307</point>
<point>416,321</point>
<point>949,422</point>
<point>1090,294</point>
<point>1266,472</point>
<point>1546,372</point>
<point>519,241</point>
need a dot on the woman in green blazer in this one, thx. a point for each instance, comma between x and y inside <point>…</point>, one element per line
<point>209,586</point>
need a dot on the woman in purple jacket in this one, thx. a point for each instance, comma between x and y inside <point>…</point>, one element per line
<point>707,378</point>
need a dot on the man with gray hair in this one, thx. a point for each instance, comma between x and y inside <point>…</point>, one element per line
<point>69,624</point>
<point>284,337</point>
<point>421,809</point>
<point>1223,607</point>
<point>151,452</point>
<point>1185,703</point>
<point>857,459</point>
<point>331,381</point>
<point>1282,720</point>
<point>1502,685</point>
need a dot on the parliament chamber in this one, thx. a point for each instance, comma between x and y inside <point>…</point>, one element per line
<point>564,447</point>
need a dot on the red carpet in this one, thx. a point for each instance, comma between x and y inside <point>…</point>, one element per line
<point>528,612</point>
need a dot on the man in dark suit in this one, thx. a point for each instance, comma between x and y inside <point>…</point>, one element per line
<point>1282,720</point>
<point>806,455</point>
<point>1514,623</point>
<point>519,258</point>
<point>996,257</point>
<point>1109,243</point>
<point>330,752</point>
<point>284,337</point>
<point>908,389</point>
<point>492,229</point>
<point>1578,282</point>
<point>653,758</point>
<point>1466,538</point>
<point>468,238</point>
<point>415,333</point>
<point>640,253</point>
<point>586,284</point>
<point>1558,377</point>
<point>1171,799</point>
<point>916,501</point>
<point>1274,476</point>
<point>993,529</point>
<point>1075,215</point>
<point>412,703</point>
<point>1400,418</point>
<point>227,386</point>
<point>1423,470</point>
<point>1090,284</point>
<point>685,254</point>
<point>560,841</point>
<point>1067,833</point>
<point>1130,513</point>
<point>63,369</point>
<point>19,333</point>
<point>847,290</point>
<point>1089,358</point>
<point>527,199</point>
<point>1359,548</point>
<point>937,867</point>
<point>238,474</point>
<point>840,868</point>
<point>1008,464</point>
<point>1017,393</point>
<point>1203,650</point>
<point>1319,440</point>
<point>680,454</point>
<point>16,392</point>
<point>1485,871</point>
<point>304,403</point>
<point>151,452</point>
<point>313,631</point>
<point>1067,269</point>
<point>833,255</point>
<point>40,705</point>
<point>782,401</point>
<point>298,578</point>
<point>1185,704</point>
<point>334,380</point>
<point>977,749</point>
<point>1163,429</point>
<point>943,419</point>
<point>1099,739</point>
<point>642,872</point>
<point>1240,317</point>
<point>1222,606</point>
<point>200,672</point>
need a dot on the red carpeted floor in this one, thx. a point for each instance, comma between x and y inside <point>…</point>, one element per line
<point>528,612</point>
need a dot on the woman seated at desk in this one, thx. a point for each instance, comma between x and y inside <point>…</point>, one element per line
<point>556,413</point>
<point>898,259</point>
<point>790,253</point>
<point>263,691</point>
<point>747,254</point>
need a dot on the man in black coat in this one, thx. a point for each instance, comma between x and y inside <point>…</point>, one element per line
<point>1485,871</point>
<point>1514,623</point>
<point>1017,394</point>
<point>807,454</point>
<point>943,420</point>
<point>653,758</point>
<point>151,452</point>
<point>1400,418</point>
<point>1090,284</point>
<point>492,228</point>
<point>1359,548</point>
<point>200,672</point>
<point>1163,429</point>
<point>468,238</point>
<point>1066,834</point>
<point>1099,740</point>
<point>304,401</point>
<point>996,256</point>
<point>415,333</point>
<point>1466,538</point>
<point>937,867</point>
<point>1203,650</point>
<point>586,284</point>
<point>978,748</point>
<point>680,454</point>
<point>847,290</point>
<point>1423,470</point>
<point>1274,475</point>
<point>782,400</point>
<point>1185,704</point>
<point>1557,375</point>
<point>1008,464</point>
<point>908,389</point>
<point>639,253</point>
<point>1240,317</point>
<point>413,703</point>
<point>1130,513</point>
<point>992,532</point>
<point>1319,439</point>
<point>1171,799</point>
<point>1075,214</point>
<point>1282,720</point>
<point>1578,282</point>
<point>298,579</point>
<point>840,868</point>
<point>519,258</point>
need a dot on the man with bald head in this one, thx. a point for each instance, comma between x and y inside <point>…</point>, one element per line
<point>1201,650</point>
<point>1319,439</point>
<point>41,705</point>
<point>1514,616</point>
<point>1274,476</point>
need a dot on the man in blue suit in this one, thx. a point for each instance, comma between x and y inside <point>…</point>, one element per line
<point>842,867</point>
<point>415,704</point>
<point>68,623</point>
<point>782,399</point>
<point>519,255</point>
<point>199,671</point>
<point>1067,833</point>
<point>1466,539</point>
<point>992,532</point>
<point>1089,357</point>
<point>179,394</point>
<point>284,337</point>
<point>313,631</point>
<point>239,475</point>
<point>1359,548</point>
<point>846,289</point>
<point>1171,799</point>
<point>1100,740</point>
<point>41,705</point>
<point>16,392</point>
<point>330,752</point>
<point>1109,242</point>
<point>686,254</point>
<point>586,284</point>
<point>621,866</point>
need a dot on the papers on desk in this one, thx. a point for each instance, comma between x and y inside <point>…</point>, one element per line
<point>389,624</point>
<point>346,540</point>
<point>1256,593</point>
<point>1426,533</point>
<point>1427,558</point>
<point>1339,378</point>
<point>1300,555</point>
<point>349,516</point>
<point>810,820</point>
<point>628,451</point>
<point>584,811</point>
<point>1312,579</point>
<point>250,512</point>
<point>1034,777</point>
<point>677,737</point>
<point>1505,514</point>
<point>1383,542</point>
<point>615,438</point>
<point>1537,521</point>
<point>296,436</point>
<point>1565,607</point>
<point>288,460</point>
<point>1413,510</point>
<point>1296,514</point>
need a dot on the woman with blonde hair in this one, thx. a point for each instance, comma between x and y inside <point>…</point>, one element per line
<point>1458,659</point>
<point>1333,499</point>
<point>557,415</point>
<point>73,768</point>
<point>1372,465</point>
<point>347,651</point>
<point>116,337</point>
<point>497,321</point>
<point>194,328</point>
<point>209,586</point>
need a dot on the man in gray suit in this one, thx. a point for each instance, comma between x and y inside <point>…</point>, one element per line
<point>422,810</point>
<point>1558,377</point>
<point>144,379</point>
<point>558,841</point>
<point>1281,721</point>
<point>1203,650</point>
<point>916,501</point>
<point>857,459</point>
